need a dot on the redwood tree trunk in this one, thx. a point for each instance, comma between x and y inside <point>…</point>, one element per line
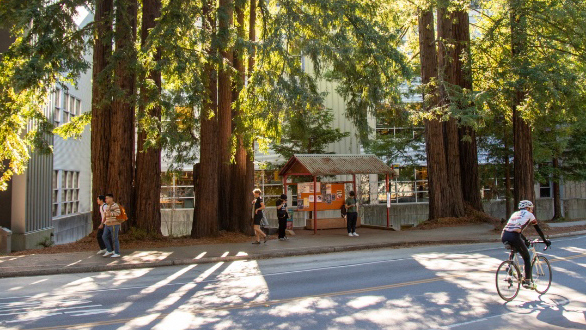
<point>225,13</point>
<point>249,181</point>
<point>507,176</point>
<point>100,127</point>
<point>470,180</point>
<point>523,143</point>
<point>446,77</point>
<point>239,205</point>
<point>557,202</point>
<point>121,120</point>
<point>205,215</point>
<point>148,162</point>
<point>434,133</point>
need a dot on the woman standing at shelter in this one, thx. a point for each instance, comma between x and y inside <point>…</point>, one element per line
<point>352,214</point>
<point>259,206</point>
<point>282,215</point>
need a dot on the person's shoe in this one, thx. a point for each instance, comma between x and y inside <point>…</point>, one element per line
<point>281,239</point>
<point>528,284</point>
<point>266,238</point>
<point>355,234</point>
<point>257,242</point>
<point>102,251</point>
<point>107,254</point>
<point>350,234</point>
<point>115,255</point>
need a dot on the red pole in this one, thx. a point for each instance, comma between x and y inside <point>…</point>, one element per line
<point>314,205</point>
<point>387,190</point>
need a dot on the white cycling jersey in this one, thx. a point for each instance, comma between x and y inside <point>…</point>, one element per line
<point>519,220</point>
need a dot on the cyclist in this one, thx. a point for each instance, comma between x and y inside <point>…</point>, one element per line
<point>512,235</point>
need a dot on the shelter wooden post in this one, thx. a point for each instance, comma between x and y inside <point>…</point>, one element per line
<point>314,205</point>
<point>388,197</point>
<point>285,184</point>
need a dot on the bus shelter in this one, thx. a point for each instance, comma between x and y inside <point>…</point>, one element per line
<point>316,165</point>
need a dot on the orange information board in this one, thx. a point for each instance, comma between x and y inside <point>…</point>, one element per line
<point>330,196</point>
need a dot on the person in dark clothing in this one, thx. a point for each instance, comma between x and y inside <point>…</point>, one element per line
<point>351,214</point>
<point>259,206</point>
<point>512,235</point>
<point>282,215</point>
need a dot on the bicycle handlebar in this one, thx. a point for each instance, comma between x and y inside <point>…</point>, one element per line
<point>536,241</point>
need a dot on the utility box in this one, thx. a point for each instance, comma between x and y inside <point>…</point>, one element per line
<point>5,240</point>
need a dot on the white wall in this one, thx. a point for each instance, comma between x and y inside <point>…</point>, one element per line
<point>72,154</point>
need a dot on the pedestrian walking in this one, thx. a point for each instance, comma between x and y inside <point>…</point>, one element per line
<point>282,215</point>
<point>259,206</point>
<point>102,206</point>
<point>351,214</point>
<point>112,227</point>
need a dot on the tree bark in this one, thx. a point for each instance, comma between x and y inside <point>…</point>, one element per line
<point>470,179</point>
<point>148,162</point>
<point>522,136</point>
<point>121,144</point>
<point>557,202</point>
<point>225,13</point>
<point>434,133</point>
<point>249,181</point>
<point>239,204</point>
<point>447,78</point>
<point>100,128</point>
<point>205,215</point>
<point>509,211</point>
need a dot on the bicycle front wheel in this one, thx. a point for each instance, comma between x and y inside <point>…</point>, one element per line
<point>508,280</point>
<point>541,274</point>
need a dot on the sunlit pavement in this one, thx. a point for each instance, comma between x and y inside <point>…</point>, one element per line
<point>439,287</point>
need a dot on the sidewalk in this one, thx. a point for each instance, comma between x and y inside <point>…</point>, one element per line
<point>303,243</point>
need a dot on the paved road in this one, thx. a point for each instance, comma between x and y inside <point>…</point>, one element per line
<point>440,287</point>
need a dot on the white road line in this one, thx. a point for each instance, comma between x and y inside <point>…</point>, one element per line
<point>52,309</point>
<point>88,312</point>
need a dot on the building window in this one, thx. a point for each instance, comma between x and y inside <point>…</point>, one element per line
<point>65,193</point>
<point>271,186</point>
<point>410,186</point>
<point>72,108</point>
<point>57,107</point>
<point>177,190</point>
<point>545,189</point>
<point>55,194</point>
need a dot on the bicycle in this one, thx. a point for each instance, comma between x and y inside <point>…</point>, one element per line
<point>509,275</point>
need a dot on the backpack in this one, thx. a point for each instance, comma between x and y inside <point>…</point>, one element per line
<point>123,216</point>
<point>343,210</point>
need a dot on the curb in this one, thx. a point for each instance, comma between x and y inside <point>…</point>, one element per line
<point>260,256</point>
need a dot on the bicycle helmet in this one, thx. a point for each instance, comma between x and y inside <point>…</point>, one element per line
<point>525,204</point>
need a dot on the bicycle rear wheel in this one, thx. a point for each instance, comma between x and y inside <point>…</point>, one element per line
<point>508,280</point>
<point>541,274</point>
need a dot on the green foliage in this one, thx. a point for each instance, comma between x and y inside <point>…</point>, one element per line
<point>307,132</point>
<point>48,50</point>
<point>305,41</point>
<point>404,145</point>
<point>75,127</point>
<point>552,74</point>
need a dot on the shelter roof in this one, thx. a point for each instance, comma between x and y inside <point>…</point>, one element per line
<point>333,164</point>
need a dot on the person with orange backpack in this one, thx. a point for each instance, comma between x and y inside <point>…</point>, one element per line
<point>115,215</point>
